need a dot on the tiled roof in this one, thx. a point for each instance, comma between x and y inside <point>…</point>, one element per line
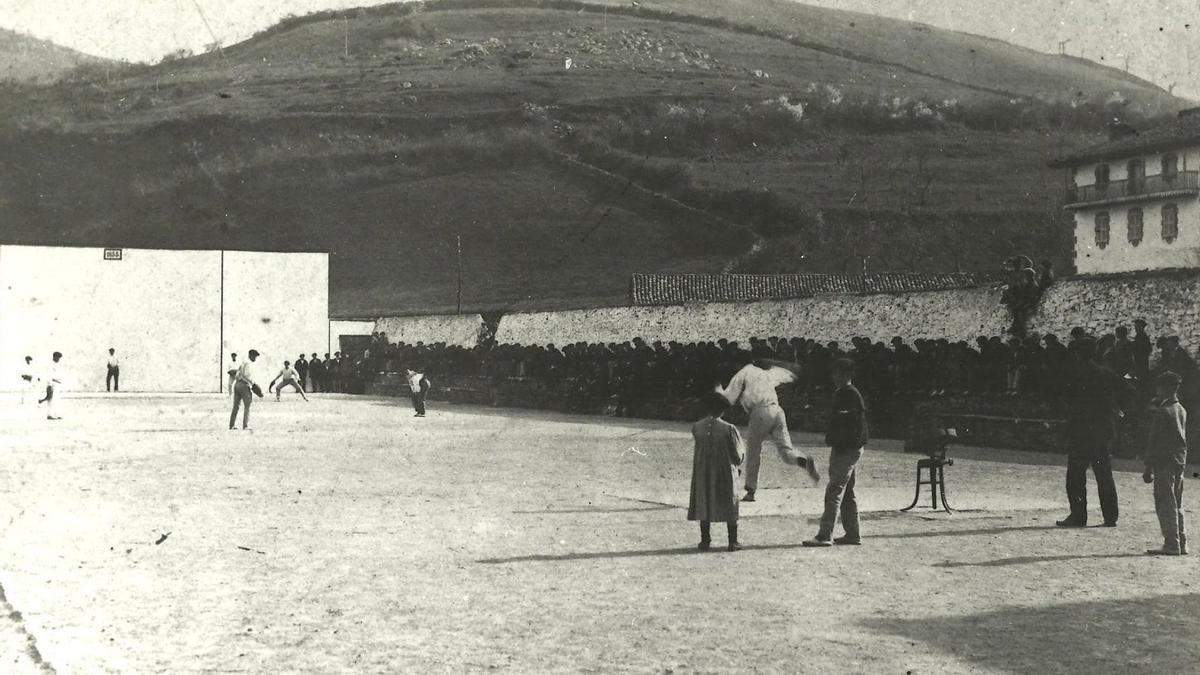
<point>1181,130</point>
<point>674,289</point>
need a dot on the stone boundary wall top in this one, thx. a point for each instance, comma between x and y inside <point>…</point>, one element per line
<point>960,314</point>
<point>1169,302</point>
<point>453,329</point>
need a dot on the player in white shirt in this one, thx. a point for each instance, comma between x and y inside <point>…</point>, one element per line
<point>287,376</point>
<point>29,382</point>
<point>244,390</point>
<point>231,371</point>
<point>53,379</point>
<point>753,387</point>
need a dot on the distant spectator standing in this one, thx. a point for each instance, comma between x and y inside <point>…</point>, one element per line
<point>1165,458</point>
<point>1142,349</point>
<point>316,374</point>
<point>327,372</point>
<point>302,371</point>
<point>112,380</point>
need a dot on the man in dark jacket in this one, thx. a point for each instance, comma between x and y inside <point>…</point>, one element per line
<point>302,371</point>
<point>846,438</point>
<point>1092,397</point>
<point>316,374</point>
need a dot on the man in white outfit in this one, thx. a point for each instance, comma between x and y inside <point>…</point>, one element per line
<point>29,382</point>
<point>753,387</point>
<point>53,380</point>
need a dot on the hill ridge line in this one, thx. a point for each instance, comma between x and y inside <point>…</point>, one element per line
<point>415,8</point>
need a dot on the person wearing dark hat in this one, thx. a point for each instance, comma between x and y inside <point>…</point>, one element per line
<point>1142,349</point>
<point>244,391</point>
<point>1092,398</point>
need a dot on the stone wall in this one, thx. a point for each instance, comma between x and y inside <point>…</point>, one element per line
<point>961,314</point>
<point>1168,301</point>
<point>453,329</point>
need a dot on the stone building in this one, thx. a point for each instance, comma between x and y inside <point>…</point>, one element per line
<point>1136,198</point>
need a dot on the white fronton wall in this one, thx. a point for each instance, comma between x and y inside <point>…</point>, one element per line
<point>161,311</point>
<point>172,316</point>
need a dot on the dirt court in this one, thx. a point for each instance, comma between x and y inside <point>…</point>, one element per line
<point>344,535</point>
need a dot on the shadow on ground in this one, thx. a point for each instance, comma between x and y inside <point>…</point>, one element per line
<point>609,555</point>
<point>1156,634</point>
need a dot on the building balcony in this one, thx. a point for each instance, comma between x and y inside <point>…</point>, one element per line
<point>1183,183</point>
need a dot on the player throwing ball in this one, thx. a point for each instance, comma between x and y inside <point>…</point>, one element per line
<point>754,388</point>
<point>287,376</point>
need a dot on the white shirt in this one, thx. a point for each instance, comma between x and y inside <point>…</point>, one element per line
<point>27,371</point>
<point>287,373</point>
<point>113,363</point>
<point>753,387</point>
<point>245,373</point>
<point>414,381</point>
<point>53,374</point>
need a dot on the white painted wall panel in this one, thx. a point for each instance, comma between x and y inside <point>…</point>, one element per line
<point>278,304</point>
<point>159,309</point>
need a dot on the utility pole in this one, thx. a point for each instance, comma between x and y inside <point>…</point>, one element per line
<point>458,247</point>
<point>346,36</point>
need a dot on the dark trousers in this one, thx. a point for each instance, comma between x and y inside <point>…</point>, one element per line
<point>315,380</point>
<point>706,531</point>
<point>418,401</point>
<point>112,382</point>
<point>1092,453</point>
<point>242,396</point>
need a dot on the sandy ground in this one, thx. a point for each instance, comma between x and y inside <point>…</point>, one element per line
<point>139,535</point>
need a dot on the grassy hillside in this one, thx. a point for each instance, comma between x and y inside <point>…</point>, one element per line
<point>28,59</point>
<point>739,135</point>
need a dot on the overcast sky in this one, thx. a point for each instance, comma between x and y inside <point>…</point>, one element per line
<point>1154,35</point>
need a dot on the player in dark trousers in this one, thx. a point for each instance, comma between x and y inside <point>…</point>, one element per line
<point>1166,457</point>
<point>419,385</point>
<point>1092,397</point>
<point>244,391</point>
<point>847,436</point>
<point>112,381</point>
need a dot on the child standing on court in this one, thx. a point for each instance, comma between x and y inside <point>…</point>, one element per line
<point>847,436</point>
<point>1166,457</point>
<point>716,456</point>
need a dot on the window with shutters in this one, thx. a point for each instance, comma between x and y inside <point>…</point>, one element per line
<point>1102,229</point>
<point>1101,178</point>
<point>1170,167</point>
<point>1133,226</point>
<point>1137,175</point>
<point>1170,223</point>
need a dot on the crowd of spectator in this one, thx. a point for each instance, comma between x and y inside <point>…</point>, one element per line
<point>637,370</point>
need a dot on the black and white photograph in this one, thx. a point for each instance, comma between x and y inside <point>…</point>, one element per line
<point>599,336</point>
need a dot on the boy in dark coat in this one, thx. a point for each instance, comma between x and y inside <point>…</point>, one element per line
<point>716,456</point>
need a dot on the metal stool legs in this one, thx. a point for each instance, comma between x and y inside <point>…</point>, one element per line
<point>936,483</point>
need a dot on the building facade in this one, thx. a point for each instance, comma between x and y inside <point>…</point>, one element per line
<point>1136,199</point>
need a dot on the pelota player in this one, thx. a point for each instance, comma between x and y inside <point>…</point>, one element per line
<point>287,376</point>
